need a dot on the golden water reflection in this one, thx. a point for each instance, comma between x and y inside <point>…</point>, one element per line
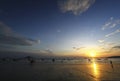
<point>95,68</point>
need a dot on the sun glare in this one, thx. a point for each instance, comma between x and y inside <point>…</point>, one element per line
<point>92,53</point>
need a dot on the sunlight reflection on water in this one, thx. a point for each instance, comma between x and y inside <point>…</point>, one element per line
<point>95,68</point>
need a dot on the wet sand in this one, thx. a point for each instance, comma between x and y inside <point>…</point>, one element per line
<point>59,72</point>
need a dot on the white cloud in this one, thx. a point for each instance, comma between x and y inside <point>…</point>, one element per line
<point>113,33</point>
<point>101,41</point>
<point>75,6</point>
<point>111,23</point>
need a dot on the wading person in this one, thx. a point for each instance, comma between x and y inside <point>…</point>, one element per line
<point>111,63</point>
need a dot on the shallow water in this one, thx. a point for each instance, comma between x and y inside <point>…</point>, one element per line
<point>93,71</point>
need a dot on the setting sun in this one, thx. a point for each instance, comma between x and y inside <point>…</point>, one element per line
<point>92,53</point>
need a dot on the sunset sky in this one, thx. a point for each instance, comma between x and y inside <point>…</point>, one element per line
<point>60,27</point>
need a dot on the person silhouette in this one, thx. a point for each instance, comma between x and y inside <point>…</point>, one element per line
<point>111,63</point>
<point>89,60</point>
<point>53,60</point>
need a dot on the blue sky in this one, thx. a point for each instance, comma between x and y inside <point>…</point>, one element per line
<point>60,27</point>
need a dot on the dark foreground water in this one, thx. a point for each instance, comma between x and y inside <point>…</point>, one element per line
<point>93,71</point>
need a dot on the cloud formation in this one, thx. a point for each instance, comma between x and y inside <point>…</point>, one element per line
<point>76,48</point>
<point>116,47</point>
<point>46,51</point>
<point>101,41</point>
<point>106,45</point>
<point>113,33</point>
<point>75,6</point>
<point>111,23</point>
<point>49,51</point>
<point>5,30</point>
<point>7,36</point>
